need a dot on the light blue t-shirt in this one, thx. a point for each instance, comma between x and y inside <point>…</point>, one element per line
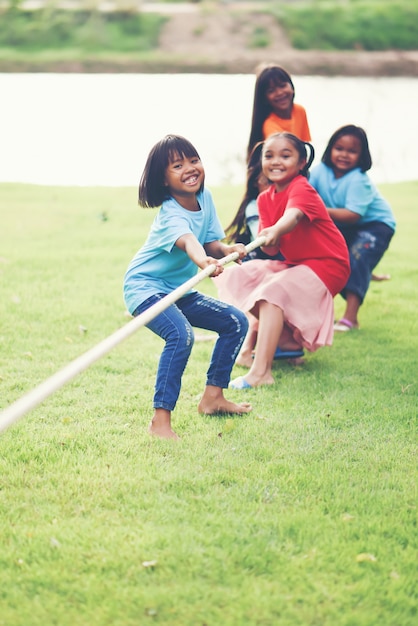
<point>353,191</point>
<point>159,266</point>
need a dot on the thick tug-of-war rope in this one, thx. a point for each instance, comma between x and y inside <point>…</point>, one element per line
<point>33,398</point>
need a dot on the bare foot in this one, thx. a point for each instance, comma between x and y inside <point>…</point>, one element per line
<point>251,380</point>
<point>213,402</point>
<point>162,431</point>
<point>259,381</point>
<point>160,425</point>
<point>380,277</point>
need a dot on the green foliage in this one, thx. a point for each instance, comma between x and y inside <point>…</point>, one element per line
<point>302,512</point>
<point>260,38</point>
<point>356,24</point>
<point>89,30</point>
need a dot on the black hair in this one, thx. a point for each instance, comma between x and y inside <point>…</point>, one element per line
<point>301,147</point>
<point>152,189</point>
<point>236,231</point>
<point>365,160</point>
<point>270,75</point>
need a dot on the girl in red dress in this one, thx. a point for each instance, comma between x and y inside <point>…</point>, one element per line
<point>292,299</point>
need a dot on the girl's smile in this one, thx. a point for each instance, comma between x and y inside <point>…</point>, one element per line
<point>345,154</point>
<point>281,162</point>
<point>191,180</point>
<point>184,176</point>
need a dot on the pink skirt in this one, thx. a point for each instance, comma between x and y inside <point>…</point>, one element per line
<point>307,304</point>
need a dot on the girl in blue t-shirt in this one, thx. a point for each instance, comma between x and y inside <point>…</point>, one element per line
<point>185,235</point>
<point>365,218</point>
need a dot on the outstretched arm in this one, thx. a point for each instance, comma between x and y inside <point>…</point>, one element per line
<point>197,253</point>
<point>218,249</point>
<point>288,221</point>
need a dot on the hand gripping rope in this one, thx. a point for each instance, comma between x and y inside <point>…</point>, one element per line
<point>33,398</point>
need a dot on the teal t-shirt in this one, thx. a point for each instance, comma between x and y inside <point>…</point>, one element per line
<point>159,266</point>
<point>354,191</point>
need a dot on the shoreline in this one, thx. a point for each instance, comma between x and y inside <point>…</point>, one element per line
<point>297,62</point>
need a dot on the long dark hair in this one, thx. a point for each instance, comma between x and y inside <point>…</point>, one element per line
<point>301,147</point>
<point>365,160</point>
<point>270,76</point>
<point>152,190</point>
<point>236,230</point>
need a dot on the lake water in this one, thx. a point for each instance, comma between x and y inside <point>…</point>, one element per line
<point>97,129</point>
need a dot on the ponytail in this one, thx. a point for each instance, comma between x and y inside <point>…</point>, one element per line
<point>305,170</point>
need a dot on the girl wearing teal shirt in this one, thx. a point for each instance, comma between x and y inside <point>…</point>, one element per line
<point>364,217</point>
<point>185,236</point>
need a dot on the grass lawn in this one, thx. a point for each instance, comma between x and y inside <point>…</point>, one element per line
<point>301,513</point>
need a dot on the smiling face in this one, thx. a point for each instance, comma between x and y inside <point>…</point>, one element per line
<point>281,161</point>
<point>279,96</point>
<point>184,176</point>
<point>345,154</point>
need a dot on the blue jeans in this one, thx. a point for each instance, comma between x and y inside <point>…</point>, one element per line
<point>174,325</point>
<point>366,243</point>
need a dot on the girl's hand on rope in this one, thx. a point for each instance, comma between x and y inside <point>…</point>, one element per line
<point>240,249</point>
<point>211,261</point>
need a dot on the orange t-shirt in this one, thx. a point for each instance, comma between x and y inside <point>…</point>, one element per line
<point>297,124</point>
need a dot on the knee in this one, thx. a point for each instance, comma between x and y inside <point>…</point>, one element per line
<point>181,338</point>
<point>241,322</point>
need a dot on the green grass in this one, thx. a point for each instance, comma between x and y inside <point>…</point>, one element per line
<point>300,513</point>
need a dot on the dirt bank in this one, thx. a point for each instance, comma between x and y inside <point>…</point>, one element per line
<point>222,40</point>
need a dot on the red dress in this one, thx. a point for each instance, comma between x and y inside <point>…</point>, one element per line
<point>303,286</point>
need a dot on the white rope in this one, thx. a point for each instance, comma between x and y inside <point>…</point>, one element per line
<point>33,398</point>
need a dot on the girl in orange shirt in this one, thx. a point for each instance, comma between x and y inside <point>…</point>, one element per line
<point>274,109</point>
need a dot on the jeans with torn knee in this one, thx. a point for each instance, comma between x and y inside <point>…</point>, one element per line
<point>175,327</point>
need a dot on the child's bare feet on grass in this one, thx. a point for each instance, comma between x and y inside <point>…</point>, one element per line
<point>213,402</point>
<point>259,381</point>
<point>160,425</point>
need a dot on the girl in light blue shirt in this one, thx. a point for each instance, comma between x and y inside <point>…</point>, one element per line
<point>185,235</point>
<point>364,217</point>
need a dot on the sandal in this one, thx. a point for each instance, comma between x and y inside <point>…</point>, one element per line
<point>343,326</point>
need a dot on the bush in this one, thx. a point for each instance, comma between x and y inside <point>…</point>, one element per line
<point>92,30</point>
<point>357,24</point>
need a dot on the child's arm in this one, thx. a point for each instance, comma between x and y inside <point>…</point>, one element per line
<point>197,253</point>
<point>288,221</point>
<point>218,249</point>
<point>343,215</point>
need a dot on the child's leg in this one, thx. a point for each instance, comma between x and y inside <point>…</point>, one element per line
<point>245,356</point>
<point>352,307</point>
<point>270,328</point>
<point>366,250</point>
<point>231,325</point>
<point>160,425</point>
<point>172,326</point>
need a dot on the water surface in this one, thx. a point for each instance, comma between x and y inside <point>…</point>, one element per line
<point>88,129</point>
